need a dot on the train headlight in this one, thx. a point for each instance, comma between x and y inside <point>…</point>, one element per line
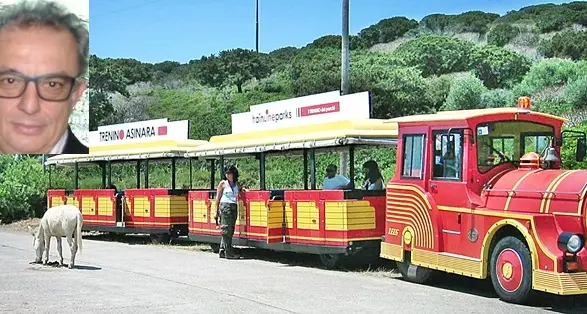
<point>570,242</point>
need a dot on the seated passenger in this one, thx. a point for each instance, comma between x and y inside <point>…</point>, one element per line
<point>373,177</point>
<point>334,181</point>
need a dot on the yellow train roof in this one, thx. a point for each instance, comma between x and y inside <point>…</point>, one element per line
<point>365,131</point>
<point>466,114</point>
<point>144,150</point>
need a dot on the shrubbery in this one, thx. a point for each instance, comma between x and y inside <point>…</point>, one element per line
<point>568,44</point>
<point>23,188</point>
<point>501,34</point>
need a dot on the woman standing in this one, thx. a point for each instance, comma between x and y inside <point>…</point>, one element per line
<point>373,177</point>
<point>227,196</point>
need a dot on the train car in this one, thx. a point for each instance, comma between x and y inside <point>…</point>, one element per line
<point>161,212</point>
<point>338,225</point>
<point>480,193</point>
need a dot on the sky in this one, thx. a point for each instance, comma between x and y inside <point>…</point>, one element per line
<point>183,30</point>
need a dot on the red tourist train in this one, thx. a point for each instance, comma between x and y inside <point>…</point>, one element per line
<point>478,193</point>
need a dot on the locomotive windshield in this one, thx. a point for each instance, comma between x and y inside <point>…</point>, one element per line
<point>506,141</point>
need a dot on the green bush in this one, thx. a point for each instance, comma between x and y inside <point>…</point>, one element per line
<point>502,34</point>
<point>549,73</point>
<point>335,41</point>
<point>472,21</point>
<point>465,93</point>
<point>435,55</point>
<point>387,30</point>
<point>439,89</point>
<point>568,44</point>
<point>497,67</point>
<point>553,24</point>
<point>576,93</point>
<point>23,189</point>
<point>497,98</point>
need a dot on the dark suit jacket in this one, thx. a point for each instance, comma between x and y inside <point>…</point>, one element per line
<point>73,145</point>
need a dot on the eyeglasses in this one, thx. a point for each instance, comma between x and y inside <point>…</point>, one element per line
<point>49,87</point>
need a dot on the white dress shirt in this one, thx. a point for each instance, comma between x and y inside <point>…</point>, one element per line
<point>58,148</point>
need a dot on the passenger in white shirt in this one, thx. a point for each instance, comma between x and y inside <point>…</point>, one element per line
<point>334,181</point>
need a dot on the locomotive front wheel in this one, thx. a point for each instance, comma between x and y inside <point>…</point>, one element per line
<point>411,272</point>
<point>331,261</point>
<point>511,270</point>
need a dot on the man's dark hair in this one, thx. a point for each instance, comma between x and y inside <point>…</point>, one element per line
<point>43,13</point>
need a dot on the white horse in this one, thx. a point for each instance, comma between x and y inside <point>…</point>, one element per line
<point>59,221</point>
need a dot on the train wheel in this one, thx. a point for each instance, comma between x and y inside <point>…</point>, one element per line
<point>411,272</point>
<point>215,247</point>
<point>511,270</point>
<point>331,261</point>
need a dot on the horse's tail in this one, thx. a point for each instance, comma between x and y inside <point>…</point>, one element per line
<point>78,231</point>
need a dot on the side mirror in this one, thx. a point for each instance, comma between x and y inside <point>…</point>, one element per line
<point>581,149</point>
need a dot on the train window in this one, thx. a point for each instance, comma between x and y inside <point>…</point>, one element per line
<point>503,142</point>
<point>536,143</point>
<point>448,155</point>
<point>413,156</point>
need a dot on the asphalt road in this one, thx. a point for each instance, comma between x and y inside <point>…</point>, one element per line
<point>114,277</point>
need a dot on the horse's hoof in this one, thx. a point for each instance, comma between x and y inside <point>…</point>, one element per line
<point>70,266</point>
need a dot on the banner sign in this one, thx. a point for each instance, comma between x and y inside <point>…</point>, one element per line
<point>142,131</point>
<point>300,111</point>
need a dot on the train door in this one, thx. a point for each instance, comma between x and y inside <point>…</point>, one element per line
<point>447,186</point>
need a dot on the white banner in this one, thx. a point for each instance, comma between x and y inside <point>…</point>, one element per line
<point>300,111</point>
<point>142,131</point>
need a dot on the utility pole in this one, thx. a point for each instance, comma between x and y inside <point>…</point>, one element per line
<point>344,80</point>
<point>257,25</point>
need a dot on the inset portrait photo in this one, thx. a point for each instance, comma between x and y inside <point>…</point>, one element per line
<point>44,47</point>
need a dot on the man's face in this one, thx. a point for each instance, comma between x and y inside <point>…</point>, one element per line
<point>29,124</point>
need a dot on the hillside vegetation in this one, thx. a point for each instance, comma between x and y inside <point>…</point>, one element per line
<point>443,62</point>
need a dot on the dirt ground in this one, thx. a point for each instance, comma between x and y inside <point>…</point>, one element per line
<point>21,225</point>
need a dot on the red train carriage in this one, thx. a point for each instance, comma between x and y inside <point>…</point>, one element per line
<point>157,211</point>
<point>480,193</point>
<point>332,223</point>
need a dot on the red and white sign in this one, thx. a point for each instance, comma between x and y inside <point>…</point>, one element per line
<point>319,108</point>
<point>142,131</point>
